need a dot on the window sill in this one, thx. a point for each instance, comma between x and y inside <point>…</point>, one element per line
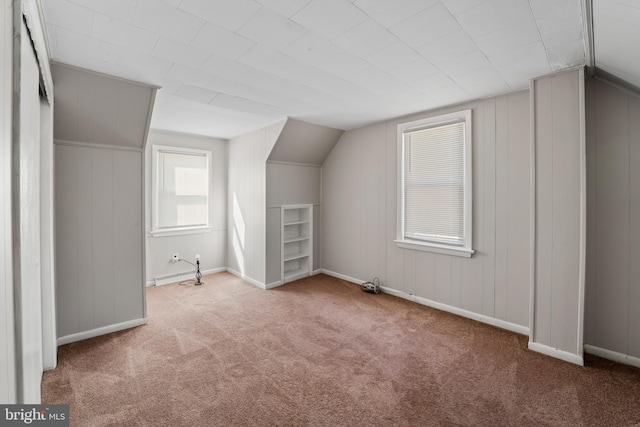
<point>180,231</point>
<point>433,247</point>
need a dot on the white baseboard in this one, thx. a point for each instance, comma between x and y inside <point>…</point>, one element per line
<point>251,280</point>
<point>274,284</point>
<point>557,353</point>
<point>280,282</point>
<point>612,355</point>
<point>342,276</point>
<point>440,306</point>
<point>179,277</point>
<point>101,331</point>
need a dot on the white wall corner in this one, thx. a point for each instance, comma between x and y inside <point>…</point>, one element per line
<point>251,280</point>
<point>612,355</point>
<point>101,331</point>
<point>556,353</point>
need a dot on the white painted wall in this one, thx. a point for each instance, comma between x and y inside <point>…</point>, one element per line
<point>7,336</point>
<point>247,203</point>
<point>612,314</point>
<point>212,245</point>
<point>100,131</point>
<point>359,211</point>
<point>30,294</point>
<point>290,184</point>
<point>99,240</point>
<point>99,109</point>
<point>47,239</point>
<point>560,210</point>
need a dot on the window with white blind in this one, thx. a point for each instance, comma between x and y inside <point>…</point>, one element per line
<point>434,180</point>
<point>180,184</point>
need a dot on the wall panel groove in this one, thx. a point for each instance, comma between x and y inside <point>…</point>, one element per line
<point>482,284</point>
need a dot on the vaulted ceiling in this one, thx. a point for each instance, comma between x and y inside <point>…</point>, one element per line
<point>229,66</point>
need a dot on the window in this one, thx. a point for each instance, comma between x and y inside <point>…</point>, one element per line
<point>180,184</point>
<point>434,177</point>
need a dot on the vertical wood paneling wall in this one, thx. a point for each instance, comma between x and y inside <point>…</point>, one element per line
<point>359,209</point>
<point>7,319</point>
<point>99,244</point>
<point>290,184</point>
<point>612,313</point>
<point>211,246</point>
<point>560,162</point>
<point>247,207</point>
<point>28,287</point>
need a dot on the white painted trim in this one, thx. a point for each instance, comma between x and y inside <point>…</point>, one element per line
<point>439,306</point>
<point>147,127</point>
<point>464,116</point>
<point>582,263</point>
<point>558,72</point>
<point>279,162</point>
<point>342,276</point>
<point>315,205</point>
<point>274,284</point>
<point>532,223</point>
<point>246,278</point>
<point>143,219</point>
<point>179,277</point>
<point>67,339</point>
<point>108,147</point>
<point>8,385</point>
<point>122,79</point>
<point>587,28</point>
<point>432,247</point>
<point>156,151</point>
<point>195,231</point>
<point>280,282</point>
<point>556,353</point>
<point>502,324</point>
<point>34,19</point>
<point>180,231</point>
<point>612,355</point>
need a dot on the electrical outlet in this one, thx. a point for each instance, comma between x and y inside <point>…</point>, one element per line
<point>175,257</point>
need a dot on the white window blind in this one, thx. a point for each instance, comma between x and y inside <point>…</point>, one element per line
<point>182,189</point>
<point>434,184</point>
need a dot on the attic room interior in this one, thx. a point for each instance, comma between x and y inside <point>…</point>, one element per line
<point>479,158</point>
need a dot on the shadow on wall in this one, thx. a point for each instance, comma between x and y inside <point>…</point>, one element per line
<point>238,235</point>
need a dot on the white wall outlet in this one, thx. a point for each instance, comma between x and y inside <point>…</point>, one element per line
<point>175,257</point>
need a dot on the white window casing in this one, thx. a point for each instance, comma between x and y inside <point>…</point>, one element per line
<point>181,181</point>
<point>435,184</point>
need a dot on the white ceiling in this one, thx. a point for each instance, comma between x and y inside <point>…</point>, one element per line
<point>230,66</point>
<point>616,26</point>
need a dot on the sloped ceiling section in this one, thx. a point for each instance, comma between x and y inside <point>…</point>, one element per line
<point>227,67</point>
<point>616,27</point>
<point>99,109</point>
<point>304,143</point>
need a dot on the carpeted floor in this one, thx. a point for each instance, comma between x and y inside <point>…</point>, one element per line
<point>320,352</point>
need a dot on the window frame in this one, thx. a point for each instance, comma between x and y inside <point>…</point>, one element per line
<point>465,250</point>
<point>155,176</point>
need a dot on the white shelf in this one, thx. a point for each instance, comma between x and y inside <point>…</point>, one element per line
<point>296,222</point>
<point>296,242</point>
<point>296,239</point>
<point>292,275</point>
<point>291,257</point>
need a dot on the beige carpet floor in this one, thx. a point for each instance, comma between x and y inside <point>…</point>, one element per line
<point>320,352</point>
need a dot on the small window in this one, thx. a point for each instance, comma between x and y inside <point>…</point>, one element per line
<point>434,195</point>
<point>180,189</point>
